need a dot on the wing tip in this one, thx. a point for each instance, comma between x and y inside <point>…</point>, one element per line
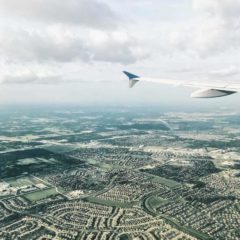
<point>130,75</point>
<point>133,79</point>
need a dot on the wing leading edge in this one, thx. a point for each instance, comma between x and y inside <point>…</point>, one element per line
<point>207,90</point>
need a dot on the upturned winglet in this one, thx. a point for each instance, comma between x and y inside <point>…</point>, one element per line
<point>133,79</point>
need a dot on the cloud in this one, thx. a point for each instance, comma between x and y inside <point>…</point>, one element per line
<point>61,45</point>
<point>31,78</point>
<point>90,13</point>
<point>228,72</point>
<point>40,77</point>
<point>64,31</point>
<point>217,30</point>
<point>220,31</point>
<point>227,9</point>
<point>23,45</point>
<point>26,76</point>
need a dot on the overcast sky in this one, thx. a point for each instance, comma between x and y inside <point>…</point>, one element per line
<point>73,51</point>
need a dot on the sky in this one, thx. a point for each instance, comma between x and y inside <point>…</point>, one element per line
<point>74,51</point>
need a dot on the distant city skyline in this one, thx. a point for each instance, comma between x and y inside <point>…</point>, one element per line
<point>74,52</point>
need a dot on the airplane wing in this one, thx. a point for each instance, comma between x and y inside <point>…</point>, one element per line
<point>205,89</point>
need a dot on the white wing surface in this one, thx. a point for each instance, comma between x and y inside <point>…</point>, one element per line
<point>205,89</point>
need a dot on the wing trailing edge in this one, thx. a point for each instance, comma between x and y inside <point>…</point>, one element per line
<point>214,89</point>
<point>211,93</point>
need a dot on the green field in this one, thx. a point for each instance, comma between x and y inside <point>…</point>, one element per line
<point>39,195</point>
<point>29,161</point>
<point>24,181</point>
<point>154,202</point>
<point>21,181</point>
<point>125,237</point>
<point>163,181</point>
<point>238,207</point>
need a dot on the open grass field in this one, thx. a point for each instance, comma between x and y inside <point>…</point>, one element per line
<point>238,207</point>
<point>29,161</point>
<point>154,202</point>
<point>41,194</point>
<point>21,181</point>
<point>24,181</point>
<point>163,181</point>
